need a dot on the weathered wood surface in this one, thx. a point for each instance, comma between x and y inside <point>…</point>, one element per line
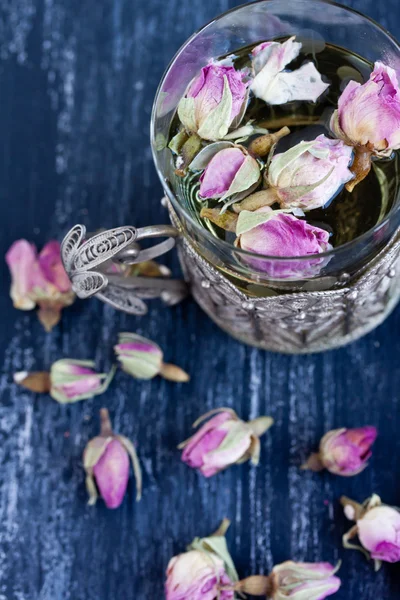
<point>77,80</point>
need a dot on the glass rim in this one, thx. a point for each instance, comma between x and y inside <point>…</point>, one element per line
<point>172,196</point>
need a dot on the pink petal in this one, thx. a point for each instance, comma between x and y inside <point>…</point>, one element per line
<point>52,267</point>
<point>21,259</point>
<point>112,474</point>
<point>193,450</point>
<point>220,173</point>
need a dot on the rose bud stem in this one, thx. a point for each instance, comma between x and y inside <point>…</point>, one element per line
<point>262,145</point>
<point>256,201</point>
<point>38,381</point>
<point>105,423</point>
<point>257,585</point>
<point>189,150</point>
<point>174,373</point>
<point>360,167</point>
<point>226,221</point>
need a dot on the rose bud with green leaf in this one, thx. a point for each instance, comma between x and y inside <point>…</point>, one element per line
<point>274,83</point>
<point>215,102</point>
<point>68,381</point>
<point>106,462</point>
<point>39,280</point>
<point>297,581</point>
<point>368,118</point>
<point>224,440</point>
<point>143,359</point>
<point>344,451</point>
<point>205,572</point>
<point>377,529</point>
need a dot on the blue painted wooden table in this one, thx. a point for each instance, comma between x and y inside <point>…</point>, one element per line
<point>77,80</point>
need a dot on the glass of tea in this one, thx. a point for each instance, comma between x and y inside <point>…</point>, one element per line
<point>287,206</point>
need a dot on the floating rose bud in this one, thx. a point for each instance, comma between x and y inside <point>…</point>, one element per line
<point>68,381</point>
<point>298,581</point>
<point>344,451</point>
<point>230,174</point>
<point>377,528</point>
<point>205,572</point>
<point>223,441</point>
<point>39,280</point>
<point>310,174</point>
<point>143,359</point>
<point>280,234</point>
<point>106,462</point>
<point>215,101</point>
<point>368,118</point>
<point>274,84</point>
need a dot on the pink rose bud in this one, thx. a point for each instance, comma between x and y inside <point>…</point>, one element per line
<point>344,451</point>
<point>368,117</point>
<point>106,462</point>
<point>73,380</point>
<point>310,174</point>
<point>204,572</point>
<point>143,359</point>
<point>274,83</point>
<point>223,441</point>
<point>297,581</point>
<point>215,102</point>
<point>280,234</point>
<point>39,280</point>
<point>377,529</point>
<point>231,172</point>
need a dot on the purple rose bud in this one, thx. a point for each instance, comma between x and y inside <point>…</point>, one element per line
<point>274,84</point>
<point>282,235</point>
<point>106,462</point>
<point>223,441</point>
<point>230,171</point>
<point>298,581</point>
<point>377,528</point>
<point>205,572</point>
<point>310,174</point>
<point>73,380</point>
<point>215,101</point>
<point>39,280</point>
<point>368,118</point>
<point>344,451</point>
<point>143,359</point>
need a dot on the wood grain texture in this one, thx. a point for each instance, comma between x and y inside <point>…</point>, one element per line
<point>77,80</point>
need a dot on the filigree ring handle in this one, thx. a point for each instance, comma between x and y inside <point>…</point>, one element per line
<point>92,263</point>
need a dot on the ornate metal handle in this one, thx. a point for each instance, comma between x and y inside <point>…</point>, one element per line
<point>92,261</point>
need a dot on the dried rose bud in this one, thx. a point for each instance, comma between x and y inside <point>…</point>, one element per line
<point>143,359</point>
<point>204,572</point>
<point>230,172</point>
<point>215,101</point>
<point>68,381</point>
<point>377,528</point>
<point>278,233</point>
<point>344,451</point>
<point>298,581</point>
<point>274,84</point>
<point>223,441</point>
<point>106,462</point>
<point>39,280</point>
<point>368,118</point>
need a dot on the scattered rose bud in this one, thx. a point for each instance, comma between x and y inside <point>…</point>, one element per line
<point>368,118</point>
<point>223,441</point>
<point>68,381</point>
<point>231,172</point>
<point>377,528</point>
<point>310,174</point>
<point>39,280</point>
<point>280,234</point>
<point>205,572</point>
<point>344,451</point>
<point>106,462</point>
<point>274,84</point>
<point>215,101</point>
<point>143,359</point>
<point>297,581</point>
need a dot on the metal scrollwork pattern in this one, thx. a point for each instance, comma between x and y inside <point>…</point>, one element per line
<point>92,264</point>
